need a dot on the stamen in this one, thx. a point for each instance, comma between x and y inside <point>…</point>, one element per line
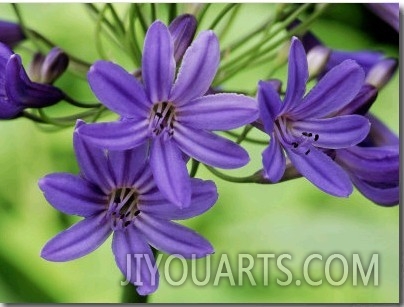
<point>122,207</point>
<point>316,137</point>
<point>162,118</point>
<point>295,145</point>
<point>307,152</point>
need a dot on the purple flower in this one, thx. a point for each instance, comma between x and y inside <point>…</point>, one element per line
<point>174,116</point>
<point>116,193</point>
<point>389,12</point>
<point>303,126</point>
<point>17,91</point>
<point>10,33</point>
<point>182,30</point>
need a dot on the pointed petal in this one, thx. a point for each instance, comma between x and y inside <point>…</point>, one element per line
<point>22,91</point>
<point>126,165</point>
<point>198,69</point>
<point>210,148</point>
<point>10,33</point>
<point>212,112</point>
<point>92,161</point>
<point>170,172</point>
<point>322,171</point>
<point>77,241</point>
<point>204,196</point>
<point>298,74</point>
<point>376,192</point>
<point>158,64</point>
<point>118,90</point>
<point>337,132</point>
<point>131,244</point>
<point>119,135</point>
<point>72,194</point>
<point>269,105</point>
<point>273,160</point>
<point>182,30</point>
<point>333,92</point>
<point>173,238</point>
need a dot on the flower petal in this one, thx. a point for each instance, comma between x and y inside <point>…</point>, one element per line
<point>270,105</point>
<point>131,248</point>
<point>273,160</point>
<point>92,161</point>
<point>362,101</point>
<point>118,90</point>
<point>126,165</point>
<point>119,135</point>
<point>182,30</point>
<point>10,33</point>
<point>337,132</point>
<point>77,241</point>
<point>298,74</point>
<point>173,238</point>
<point>333,92</point>
<point>158,64</point>
<point>322,171</point>
<point>204,196</point>
<point>197,70</point>
<point>170,172</point>
<point>212,112</point>
<point>210,148</point>
<point>380,134</point>
<point>72,194</point>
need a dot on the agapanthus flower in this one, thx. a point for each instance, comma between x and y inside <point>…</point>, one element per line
<point>389,12</point>
<point>17,91</point>
<point>116,193</point>
<point>303,126</point>
<point>174,116</point>
<point>10,33</point>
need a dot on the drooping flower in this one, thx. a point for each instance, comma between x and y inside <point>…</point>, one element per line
<point>389,12</point>
<point>10,33</point>
<point>17,91</point>
<point>116,193</point>
<point>304,126</point>
<point>175,117</point>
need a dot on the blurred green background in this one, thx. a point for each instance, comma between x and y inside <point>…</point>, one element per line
<point>292,217</point>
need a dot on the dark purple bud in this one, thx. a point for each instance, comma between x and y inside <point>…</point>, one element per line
<point>46,69</point>
<point>10,33</point>
<point>308,39</point>
<point>182,30</point>
<point>389,12</point>
<point>382,72</point>
<point>362,101</point>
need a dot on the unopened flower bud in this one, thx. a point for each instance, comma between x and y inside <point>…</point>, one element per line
<point>46,69</point>
<point>317,59</point>
<point>381,73</point>
<point>182,30</point>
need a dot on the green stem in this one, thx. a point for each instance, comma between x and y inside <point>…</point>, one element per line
<point>153,13</point>
<point>117,20</point>
<point>194,168</point>
<point>202,14</point>
<point>243,135</point>
<point>222,14</point>
<point>142,19</point>
<point>247,139</point>
<point>172,11</point>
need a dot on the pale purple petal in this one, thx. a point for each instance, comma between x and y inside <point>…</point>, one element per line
<point>197,70</point>
<point>298,75</point>
<point>77,241</point>
<point>333,92</point>
<point>218,112</point>
<point>210,148</point>
<point>182,30</point>
<point>274,161</point>
<point>173,238</point>
<point>92,161</point>
<point>118,90</point>
<point>336,132</point>
<point>322,171</point>
<point>127,164</point>
<point>72,194</point>
<point>119,135</point>
<point>158,64</point>
<point>204,196</point>
<point>170,172</point>
<point>131,248</point>
<point>269,105</point>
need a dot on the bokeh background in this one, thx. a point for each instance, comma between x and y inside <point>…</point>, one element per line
<point>292,217</point>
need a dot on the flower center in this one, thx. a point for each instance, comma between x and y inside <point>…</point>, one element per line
<point>122,207</point>
<point>162,119</point>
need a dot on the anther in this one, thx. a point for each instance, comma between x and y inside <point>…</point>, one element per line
<point>307,152</point>
<point>295,145</point>
<point>316,137</point>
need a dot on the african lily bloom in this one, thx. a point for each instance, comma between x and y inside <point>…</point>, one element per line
<point>303,126</point>
<point>17,91</point>
<point>174,116</point>
<point>116,193</point>
<point>10,33</point>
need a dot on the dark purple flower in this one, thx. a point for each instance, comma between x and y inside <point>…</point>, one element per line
<point>174,116</point>
<point>389,12</point>
<point>10,33</point>
<point>182,30</point>
<point>303,126</point>
<point>116,193</point>
<point>17,91</point>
